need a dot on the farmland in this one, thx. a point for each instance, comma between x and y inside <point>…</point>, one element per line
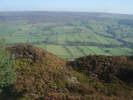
<point>70,35</point>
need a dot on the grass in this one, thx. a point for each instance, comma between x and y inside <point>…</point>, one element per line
<point>89,31</point>
<point>119,51</point>
<point>58,50</point>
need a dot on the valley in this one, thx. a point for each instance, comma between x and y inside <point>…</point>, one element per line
<point>70,35</point>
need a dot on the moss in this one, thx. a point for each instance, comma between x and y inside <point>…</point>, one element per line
<point>25,98</point>
<point>82,77</point>
<point>22,63</point>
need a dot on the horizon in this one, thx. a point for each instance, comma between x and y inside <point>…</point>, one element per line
<point>96,6</point>
<point>52,11</point>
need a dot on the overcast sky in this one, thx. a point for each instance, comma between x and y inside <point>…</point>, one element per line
<point>110,6</point>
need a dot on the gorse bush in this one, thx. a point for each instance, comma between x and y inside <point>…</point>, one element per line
<point>7,73</point>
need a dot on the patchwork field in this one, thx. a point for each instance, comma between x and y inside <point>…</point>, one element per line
<point>70,35</point>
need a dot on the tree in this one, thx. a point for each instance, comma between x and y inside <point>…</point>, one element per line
<point>7,73</point>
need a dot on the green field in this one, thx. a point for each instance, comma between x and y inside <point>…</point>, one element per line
<point>70,35</point>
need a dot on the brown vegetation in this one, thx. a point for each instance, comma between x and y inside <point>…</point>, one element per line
<point>38,71</point>
<point>106,67</point>
<point>43,76</point>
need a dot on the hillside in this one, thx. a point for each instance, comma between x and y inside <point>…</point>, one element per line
<point>44,76</point>
<point>38,72</point>
<point>70,35</point>
<point>106,68</point>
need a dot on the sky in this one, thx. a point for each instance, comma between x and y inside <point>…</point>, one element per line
<point>109,6</point>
